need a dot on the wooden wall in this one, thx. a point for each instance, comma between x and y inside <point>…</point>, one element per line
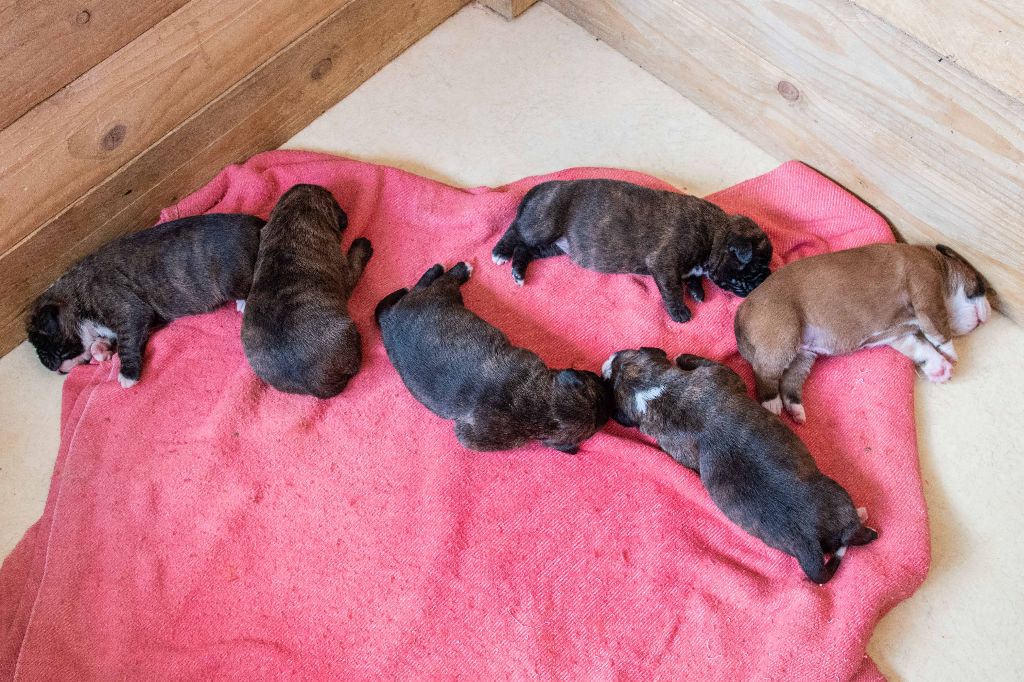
<point>113,112</point>
<point>915,108</point>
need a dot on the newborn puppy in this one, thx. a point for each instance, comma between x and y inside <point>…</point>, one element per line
<point>755,469</point>
<point>462,368</point>
<point>912,298</point>
<point>613,226</point>
<point>116,296</point>
<point>296,329</point>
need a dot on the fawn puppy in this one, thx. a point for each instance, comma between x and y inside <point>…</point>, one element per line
<point>614,226</point>
<point>912,298</point>
<point>754,468</point>
<point>296,329</point>
<point>461,368</point>
<point>113,298</point>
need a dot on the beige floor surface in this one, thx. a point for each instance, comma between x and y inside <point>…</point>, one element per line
<point>481,101</point>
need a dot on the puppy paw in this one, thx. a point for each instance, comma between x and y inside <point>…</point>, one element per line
<point>774,405</point>
<point>498,259</point>
<point>681,315</point>
<point>796,411</point>
<point>240,305</point>
<point>519,278</point>
<point>100,350</point>
<point>948,350</point>
<point>125,381</point>
<point>938,370</point>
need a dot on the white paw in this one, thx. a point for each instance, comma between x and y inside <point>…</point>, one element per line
<point>774,405</point>
<point>606,368</point>
<point>125,381</point>
<point>937,369</point>
<point>948,350</point>
<point>469,268</point>
<point>796,411</point>
<point>240,305</point>
<point>519,281</point>
<point>862,514</point>
<point>498,260</point>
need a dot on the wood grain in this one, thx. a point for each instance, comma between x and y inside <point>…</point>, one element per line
<point>66,145</point>
<point>259,113</point>
<point>510,9</point>
<point>986,37</point>
<point>935,149</point>
<point>44,45</point>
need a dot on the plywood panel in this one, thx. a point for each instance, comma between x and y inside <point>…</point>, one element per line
<point>259,113</point>
<point>66,145</point>
<point>44,45</point>
<point>937,150</point>
<point>986,37</point>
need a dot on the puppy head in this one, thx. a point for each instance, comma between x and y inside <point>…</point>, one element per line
<point>313,199</point>
<point>630,373</point>
<point>740,255</point>
<point>58,344</point>
<point>581,404</point>
<point>966,292</point>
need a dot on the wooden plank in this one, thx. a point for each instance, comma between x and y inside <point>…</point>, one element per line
<point>510,9</point>
<point>44,45</point>
<point>986,37</point>
<point>64,146</point>
<point>259,113</point>
<point>937,150</point>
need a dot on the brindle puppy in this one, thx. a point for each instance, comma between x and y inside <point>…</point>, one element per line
<point>296,329</point>
<point>755,469</point>
<point>116,296</point>
<point>462,368</point>
<point>613,226</point>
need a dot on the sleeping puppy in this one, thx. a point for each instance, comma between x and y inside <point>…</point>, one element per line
<point>296,329</point>
<point>462,368</point>
<point>613,226</point>
<point>755,469</point>
<point>115,297</point>
<point>912,298</point>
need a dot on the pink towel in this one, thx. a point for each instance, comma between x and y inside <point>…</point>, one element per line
<point>203,526</point>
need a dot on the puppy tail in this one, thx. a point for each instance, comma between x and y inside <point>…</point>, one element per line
<point>387,302</point>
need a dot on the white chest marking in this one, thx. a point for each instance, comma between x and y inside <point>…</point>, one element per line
<point>642,398</point>
<point>563,244</point>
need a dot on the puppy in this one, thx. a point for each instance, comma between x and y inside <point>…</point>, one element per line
<point>755,469</point>
<point>115,297</point>
<point>613,226</point>
<point>462,368</point>
<point>296,329</point>
<point>912,298</point>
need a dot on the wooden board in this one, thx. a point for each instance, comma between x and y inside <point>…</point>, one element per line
<point>986,37</point>
<point>935,149</point>
<point>259,113</point>
<point>510,9</point>
<point>68,144</point>
<point>44,45</point>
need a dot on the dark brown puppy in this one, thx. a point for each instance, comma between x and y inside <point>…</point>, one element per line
<point>462,368</point>
<point>120,293</point>
<point>914,299</point>
<point>614,226</point>
<point>755,469</point>
<point>296,330</point>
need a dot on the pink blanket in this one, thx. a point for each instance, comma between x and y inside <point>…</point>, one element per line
<point>203,526</point>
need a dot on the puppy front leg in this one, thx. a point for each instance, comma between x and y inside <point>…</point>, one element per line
<point>695,287</point>
<point>484,435</point>
<point>670,286</point>
<point>932,316</point>
<point>131,346</point>
<point>689,362</point>
<point>359,254</point>
<point>933,364</point>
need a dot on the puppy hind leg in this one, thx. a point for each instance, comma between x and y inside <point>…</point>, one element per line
<point>521,258</point>
<point>792,384</point>
<point>429,276</point>
<point>812,561</point>
<point>359,254</point>
<point>506,246</point>
<point>460,272</point>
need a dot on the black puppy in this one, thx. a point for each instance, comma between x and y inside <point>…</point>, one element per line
<point>614,226</point>
<point>754,468</point>
<point>297,333</point>
<point>119,293</point>
<point>462,368</point>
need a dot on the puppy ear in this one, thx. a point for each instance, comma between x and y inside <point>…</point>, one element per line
<point>743,252</point>
<point>950,253</point>
<point>48,319</point>
<point>569,378</point>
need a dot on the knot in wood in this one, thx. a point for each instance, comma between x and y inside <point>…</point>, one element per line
<point>789,92</point>
<point>321,68</point>
<point>113,138</point>
<point>83,17</point>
